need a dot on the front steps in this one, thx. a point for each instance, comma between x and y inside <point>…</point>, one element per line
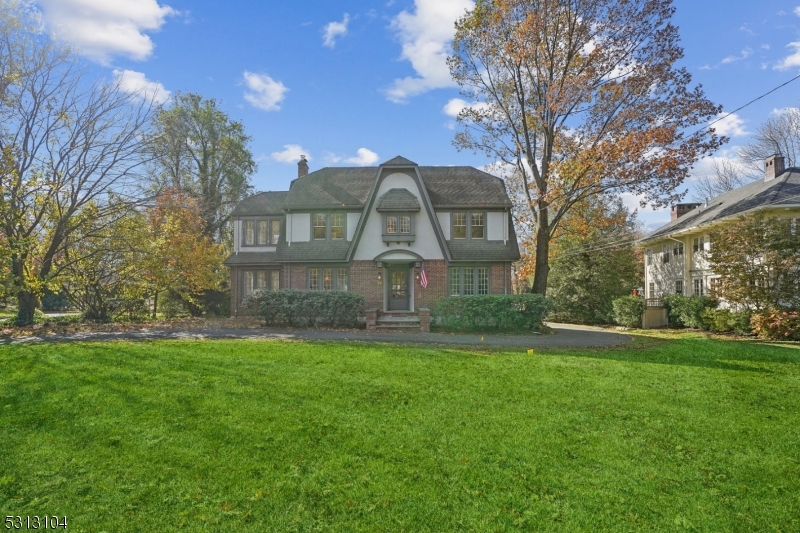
<point>399,321</point>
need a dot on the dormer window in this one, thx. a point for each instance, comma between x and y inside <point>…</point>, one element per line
<point>469,225</point>
<point>328,226</point>
<point>261,232</point>
<point>398,207</point>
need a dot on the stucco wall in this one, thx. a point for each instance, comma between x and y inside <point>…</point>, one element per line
<point>371,243</point>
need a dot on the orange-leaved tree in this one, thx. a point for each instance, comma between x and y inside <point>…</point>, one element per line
<point>579,98</point>
<point>182,258</point>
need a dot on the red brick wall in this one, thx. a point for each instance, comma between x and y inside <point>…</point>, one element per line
<point>437,284</point>
<point>364,280</point>
<point>499,284</point>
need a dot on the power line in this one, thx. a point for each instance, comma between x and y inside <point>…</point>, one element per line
<point>748,103</point>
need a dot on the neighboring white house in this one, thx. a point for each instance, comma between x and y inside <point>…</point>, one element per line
<point>676,254</point>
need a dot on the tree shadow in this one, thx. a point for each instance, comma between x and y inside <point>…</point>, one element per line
<point>699,350</point>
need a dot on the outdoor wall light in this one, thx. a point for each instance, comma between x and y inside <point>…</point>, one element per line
<point>416,276</point>
<point>380,277</point>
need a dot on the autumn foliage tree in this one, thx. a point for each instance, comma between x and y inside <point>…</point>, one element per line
<point>758,261</point>
<point>579,98</point>
<point>181,257</point>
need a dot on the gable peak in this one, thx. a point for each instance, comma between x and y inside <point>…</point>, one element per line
<point>399,160</point>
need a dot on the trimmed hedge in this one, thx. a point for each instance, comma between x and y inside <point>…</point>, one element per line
<point>628,311</point>
<point>724,321</point>
<point>294,307</point>
<point>687,311</point>
<point>495,311</point>
<point>777,325</point>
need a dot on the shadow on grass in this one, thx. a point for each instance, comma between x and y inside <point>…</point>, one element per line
<point>698,350</point>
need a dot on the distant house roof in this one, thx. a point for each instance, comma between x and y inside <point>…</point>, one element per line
<point>398,200</point>
<point>781,191</point>
<point>252,258</point>
<point>398,161</point>
<point>331,188</point>
<point>263,203</point>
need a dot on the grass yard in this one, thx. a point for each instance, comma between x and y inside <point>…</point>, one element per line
<point>677,432</point>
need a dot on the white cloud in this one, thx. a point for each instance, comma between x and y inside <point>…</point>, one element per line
<point>263,92</point>
<point>747,30</point>
<point>784,110</point>
<point>455,105</point>
<point>425,36</point>
<point>137,84</point>
<point>731,126</point>
<point>101,29</point>
<point>364,158</point>
<point>797,11</point>
<point>793,59</point>
<point>291,154</point>
<point>333,30</point>
<point>747,52</point>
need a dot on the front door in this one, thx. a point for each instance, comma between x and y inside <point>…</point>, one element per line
<point>398,288</point>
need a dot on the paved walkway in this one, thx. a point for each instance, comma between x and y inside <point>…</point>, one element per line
<point>565,335</point>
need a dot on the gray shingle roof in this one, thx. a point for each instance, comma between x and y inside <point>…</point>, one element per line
<point>783,190</point>
<point>331,188</point>
<point>398,200</point>
<point>251,258</point>
<point>399,160</point>
<point>263,203</point>
<point>463,187</point>
<point>314,251</point>
<point>482,250</point>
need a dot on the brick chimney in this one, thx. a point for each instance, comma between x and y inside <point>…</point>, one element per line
<point>302,167</point>
<point>678,210</point>
<point>774,166</point>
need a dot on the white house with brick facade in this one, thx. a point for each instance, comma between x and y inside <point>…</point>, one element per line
<point>375,230</point>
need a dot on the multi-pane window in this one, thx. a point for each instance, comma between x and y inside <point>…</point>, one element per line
<point>699,288</point>
<point>459,225</point>
<point>391,224</point>
<point>337,226</point>
<point>679,286</point>
<point>476,224</point>
<point>713,285</point>
<point>483,280</point>
<point>698,244</point>
<point>328,279</point>
<point>665,255</point>
<point>455,281</point>
<point>651,290</point>
<point>677,248</point>
<point>469,225</point>
<point>649,256</point>
<point>254,280</point>
<point>469,280</point>
<point>320,225</point>
<point>263,232</point>
<point>469,284</point>
<point>405,224</point>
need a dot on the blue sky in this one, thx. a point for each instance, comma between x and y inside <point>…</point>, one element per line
<point>357,82</point>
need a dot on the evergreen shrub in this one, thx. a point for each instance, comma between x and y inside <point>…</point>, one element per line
<point>295,307</point>
<point>687,311</point>
<point>628,311</point>
<point>492,311</point>
<point>724,321</point>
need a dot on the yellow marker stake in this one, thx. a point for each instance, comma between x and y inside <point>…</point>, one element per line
<point>530,351</point>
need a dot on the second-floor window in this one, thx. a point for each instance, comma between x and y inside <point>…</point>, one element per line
<point>328,226</point>
<point>467,225</point>
<point>698,245</point>
<point>261,232</point>
<point>665,255</point>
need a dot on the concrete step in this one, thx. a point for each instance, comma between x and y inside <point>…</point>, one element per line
<point>398,320</point>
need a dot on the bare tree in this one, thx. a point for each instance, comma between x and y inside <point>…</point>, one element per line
<point>779,134</point>
<point>68,143</point>
<point>725,176</point>
<point>581,98</point>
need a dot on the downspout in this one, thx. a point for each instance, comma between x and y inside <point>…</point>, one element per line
<point>505,278</point>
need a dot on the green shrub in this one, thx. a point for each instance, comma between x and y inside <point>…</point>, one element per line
<point>294,307</point>
<point>508,312</point>
<point>777,325</point>
<point>628,311</point>
<point>724,321</point>
<point>687,311</point>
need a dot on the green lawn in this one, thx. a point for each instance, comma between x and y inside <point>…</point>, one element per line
<point>677,432</point>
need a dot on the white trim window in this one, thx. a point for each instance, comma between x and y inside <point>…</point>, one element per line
<point>698,287</point>
<point>678,286</point>
<point>698,245</point>
<point>651,290</point>
<point>665,254</point>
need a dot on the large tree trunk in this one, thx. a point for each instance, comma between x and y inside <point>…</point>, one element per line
<point>542,251</point>
<point>27,303</point>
